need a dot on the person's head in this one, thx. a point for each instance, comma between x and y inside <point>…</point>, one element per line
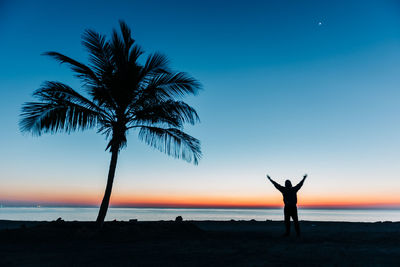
<point>288,184</point>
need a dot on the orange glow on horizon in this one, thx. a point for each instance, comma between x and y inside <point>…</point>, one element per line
<point>198,201</point>
<point>248,202</point>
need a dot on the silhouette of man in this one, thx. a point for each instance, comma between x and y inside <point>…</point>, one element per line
<point>290,199</point>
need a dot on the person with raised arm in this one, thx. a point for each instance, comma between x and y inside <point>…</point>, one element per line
<point>289,193</point>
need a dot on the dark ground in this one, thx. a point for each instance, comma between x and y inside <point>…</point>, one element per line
<point>206,243</point>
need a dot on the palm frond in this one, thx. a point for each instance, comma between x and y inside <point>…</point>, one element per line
<point>126,36</point>
<point>99,52</point>
<point>119,55</point>
<point>81,71</point>
<point>156,63</point>
<point>155,117</point>
<point>173,142</point>
<point>166,86</point>
<point>51,90</point>
<point>56,116</point>
<point>170,112</point>
<point>134,55</point>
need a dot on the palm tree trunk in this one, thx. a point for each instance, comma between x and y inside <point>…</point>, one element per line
<point>107,193</point>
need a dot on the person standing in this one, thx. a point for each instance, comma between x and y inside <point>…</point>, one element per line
<point>290,199</point>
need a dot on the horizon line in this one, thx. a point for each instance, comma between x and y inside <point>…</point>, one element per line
<point>188,206</point>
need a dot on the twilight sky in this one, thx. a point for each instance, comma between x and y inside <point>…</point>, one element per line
<point>290,87</point>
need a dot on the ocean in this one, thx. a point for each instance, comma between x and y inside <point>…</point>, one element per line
<point>156,214</point>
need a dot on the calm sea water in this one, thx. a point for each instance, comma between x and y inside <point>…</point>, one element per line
<point>155,214</point>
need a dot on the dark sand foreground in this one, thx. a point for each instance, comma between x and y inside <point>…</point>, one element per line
<point>205,243</point>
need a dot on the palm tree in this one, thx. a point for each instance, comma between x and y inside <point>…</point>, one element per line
<point>121,95</point>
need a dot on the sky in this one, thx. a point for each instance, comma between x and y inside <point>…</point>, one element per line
<point>289,87</point>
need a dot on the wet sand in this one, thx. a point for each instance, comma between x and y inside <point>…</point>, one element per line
<point>198,243</point>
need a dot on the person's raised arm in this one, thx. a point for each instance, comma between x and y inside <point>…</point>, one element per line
<point>277,186</point>
<point>299,185</point>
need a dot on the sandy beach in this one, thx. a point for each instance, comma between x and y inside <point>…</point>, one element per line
<point>198,243</point>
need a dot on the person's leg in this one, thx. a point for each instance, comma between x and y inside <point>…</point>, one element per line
<point>296,220</point>
<point>286,212</point>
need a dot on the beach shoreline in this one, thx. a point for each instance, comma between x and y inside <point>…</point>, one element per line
<point>195,243</point>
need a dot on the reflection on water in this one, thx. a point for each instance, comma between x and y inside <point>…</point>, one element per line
<point>155,214</point>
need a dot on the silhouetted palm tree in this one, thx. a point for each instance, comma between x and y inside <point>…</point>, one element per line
<point>122,94</point>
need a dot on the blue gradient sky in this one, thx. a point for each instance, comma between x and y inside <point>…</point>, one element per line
<point>282,94</point>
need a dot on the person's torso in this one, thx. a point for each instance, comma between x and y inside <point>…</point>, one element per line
<point>289,196</point>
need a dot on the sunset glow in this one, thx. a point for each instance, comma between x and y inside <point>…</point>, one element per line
<point>198,201</point>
